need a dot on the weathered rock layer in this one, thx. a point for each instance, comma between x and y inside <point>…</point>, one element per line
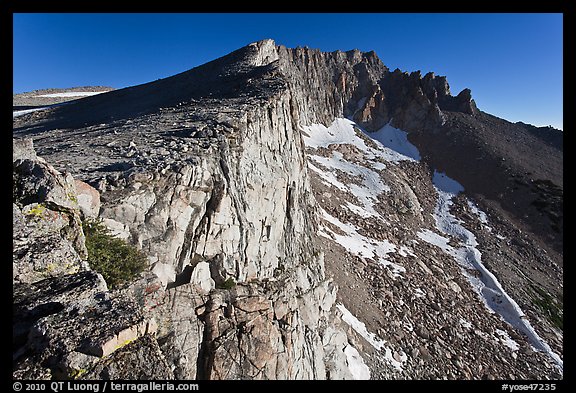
<point>206,173</point>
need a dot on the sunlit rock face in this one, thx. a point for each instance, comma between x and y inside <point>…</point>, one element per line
<point>287,219</point>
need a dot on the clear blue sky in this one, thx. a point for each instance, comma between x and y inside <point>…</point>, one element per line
<point>512,62</point>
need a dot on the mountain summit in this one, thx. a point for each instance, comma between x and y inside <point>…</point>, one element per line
<point>302,214</point>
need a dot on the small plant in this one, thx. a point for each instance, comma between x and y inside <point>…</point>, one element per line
<point>72,197</point>
<point>117,261</point>
<point>77,373</point>
<point>37,211</point>
<point>228,284</point>
<point>552,309</point>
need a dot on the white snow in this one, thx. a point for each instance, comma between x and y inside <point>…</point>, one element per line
<point>360,245</point>
<point>435,239</point>
<point>340,132</point>
<point>69,94</point>
<point>357,210</point>
<point>328,177</point>
<point>405,251</point>
<point>25,111</point>
<point>356,365</point>
<point>378,165</point>
<point>376,342</point>
<point>479,213</point>
<point>397,140</point>
<point>360,328</point>
<point>446,184</point>
<point>370,183</point>
<point>391,143</point>
<point>482,216</point>
<point>468,256</point>
<point>505,338</point>
<point>72,94</point>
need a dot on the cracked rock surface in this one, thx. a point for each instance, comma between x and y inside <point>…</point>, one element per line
<point>207,173</point>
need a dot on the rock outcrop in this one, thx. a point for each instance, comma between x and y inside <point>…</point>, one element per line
<point>65,319</point>
<point>227,224</point>
<point>206,172</point>
<point>47,235</point>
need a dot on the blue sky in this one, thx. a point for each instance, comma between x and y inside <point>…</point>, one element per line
<point>513,63</point>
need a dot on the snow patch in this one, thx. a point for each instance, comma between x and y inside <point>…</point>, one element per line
<point>72,94</point>
<point>487,285</point>
<point>479,213</point>
<point>405,251</point>
<point>446,184</point>
<point>482,216</point>
<point>357,210</point>
<point>370,187</point>
<point>397,140</point>
<point>25,111</point>
<point>435,239</point>
<point>378,165</point>
<point>360,245</point>
<point>340,132</point>
<point>328,177</point>
<point>376,342</point>
<point>356,365</point>
<point>360,328</point>
<point>391,143</point>
<point>507,340</point>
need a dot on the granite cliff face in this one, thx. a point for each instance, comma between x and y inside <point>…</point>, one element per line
<point>208,173</point>
<point>228,206</point>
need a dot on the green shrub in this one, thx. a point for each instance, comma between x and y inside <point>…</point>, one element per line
<point>117,261</point>
<point>552,308</point>
<point>228,284</point>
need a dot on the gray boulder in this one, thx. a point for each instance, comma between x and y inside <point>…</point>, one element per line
<point>47,233</point>
<point>88,199</point>
<point>70,323</point>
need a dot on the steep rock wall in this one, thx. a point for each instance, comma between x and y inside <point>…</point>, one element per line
<point>241,216</point>
<point>205,171</point>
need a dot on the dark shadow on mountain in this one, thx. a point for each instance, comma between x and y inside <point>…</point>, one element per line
<point>220,79</point>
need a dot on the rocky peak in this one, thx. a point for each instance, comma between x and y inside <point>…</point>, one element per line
<point>207,176</point>
<point>265,52</point>
<point>226,176</point>
<point>326,85</point>
<point>464,102</point>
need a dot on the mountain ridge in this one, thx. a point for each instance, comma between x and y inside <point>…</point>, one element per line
<point>210,174</point>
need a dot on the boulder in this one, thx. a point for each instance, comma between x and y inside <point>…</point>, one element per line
<point>201,277</point>
<point>141,359</point>
<point>88,199</point>
<point>69,323</point>
<point>165,272</point>
<point>23,149</point>
<point>47,231</point>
